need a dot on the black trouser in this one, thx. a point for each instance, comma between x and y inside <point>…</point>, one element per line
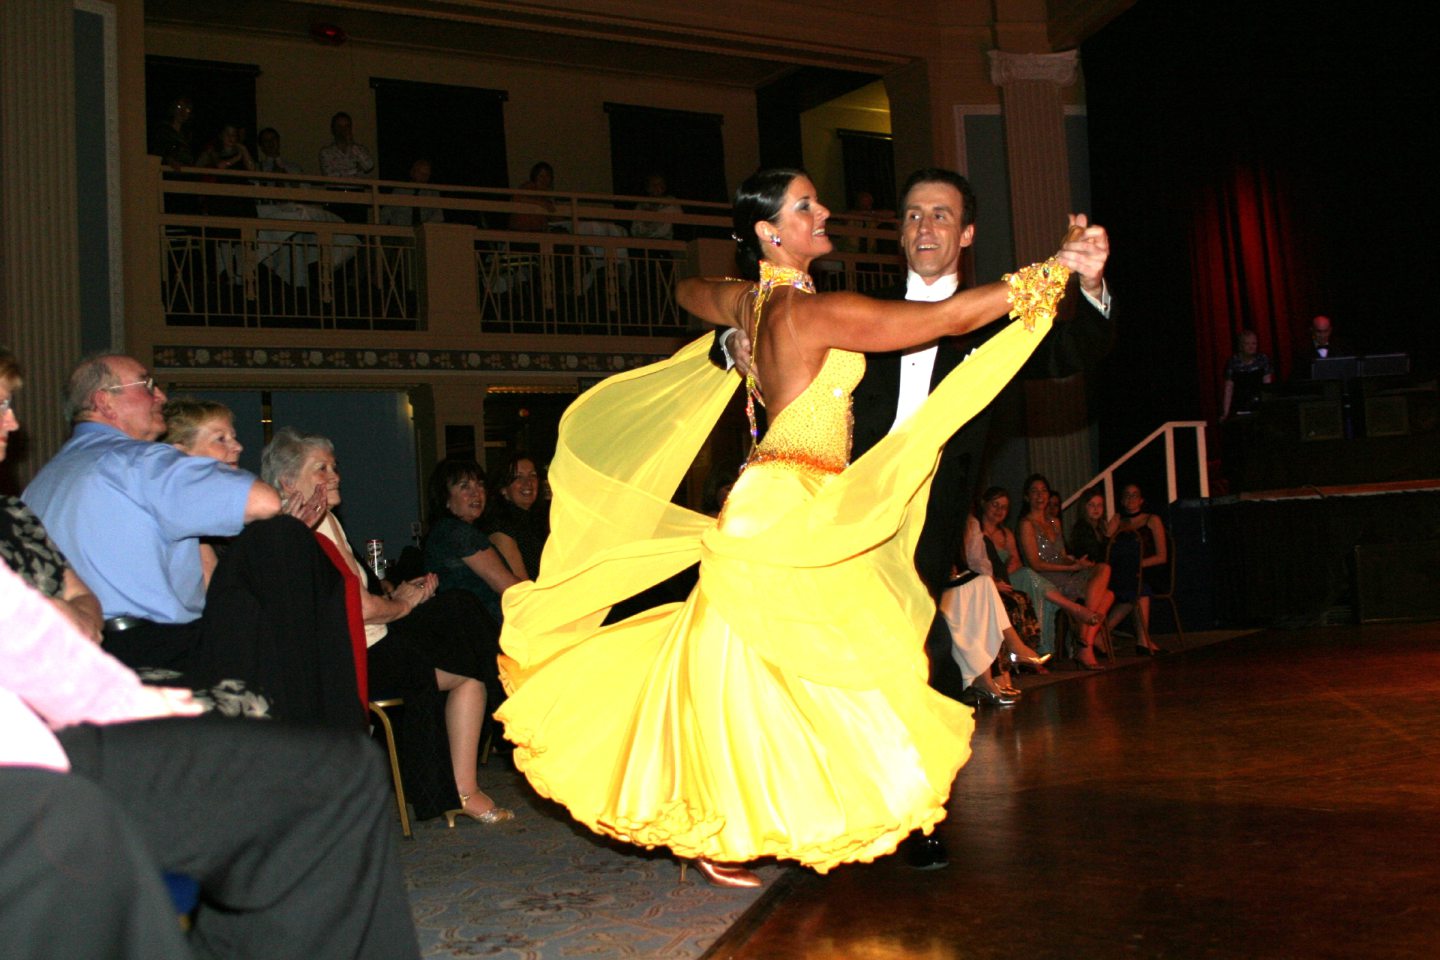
<point>288,831</point>
<point>76,877</point>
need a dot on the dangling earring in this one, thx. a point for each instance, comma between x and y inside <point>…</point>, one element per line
<point>775,239</point>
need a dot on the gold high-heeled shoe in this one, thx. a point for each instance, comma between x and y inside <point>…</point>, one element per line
<point>496,814</point>
<point>723,874</point>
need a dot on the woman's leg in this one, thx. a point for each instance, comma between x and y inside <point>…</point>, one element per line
<point>1143,608</point>
<point>464,717</point>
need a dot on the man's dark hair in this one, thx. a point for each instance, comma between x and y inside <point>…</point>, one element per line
<point>261,135</point>
<point>949,178</point>
<point>337,116</point>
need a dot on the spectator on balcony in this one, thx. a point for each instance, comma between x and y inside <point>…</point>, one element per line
<point>542,178</point>
<point>395,215</point>
<point>171,142</point>
<point>270,159</point>
<point>129,514</point>
<point>343,157</point>
<point>661,202</point>
<point>227,152</point>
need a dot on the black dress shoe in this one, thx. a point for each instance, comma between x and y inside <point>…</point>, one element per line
<point>924,853</point>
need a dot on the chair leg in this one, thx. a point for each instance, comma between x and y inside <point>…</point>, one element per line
<point>487,741</point>
<point>377,708</point>
<point>1175,612</point>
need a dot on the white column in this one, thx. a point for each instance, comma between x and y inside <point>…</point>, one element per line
<point>38,243</point>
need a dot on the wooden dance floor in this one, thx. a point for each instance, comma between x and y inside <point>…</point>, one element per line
<point>1272,796</point>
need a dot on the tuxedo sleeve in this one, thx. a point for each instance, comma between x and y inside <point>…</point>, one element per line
<point>1073,346</point>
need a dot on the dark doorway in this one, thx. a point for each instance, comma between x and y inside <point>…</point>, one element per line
<point>460,130</point>
<point>778,106</point>
<point>869,160</point>
<point>522,420</point>
<point>221,93</point>
<point>687,149</point>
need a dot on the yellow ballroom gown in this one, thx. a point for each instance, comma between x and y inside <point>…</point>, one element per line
<point>782,710</point>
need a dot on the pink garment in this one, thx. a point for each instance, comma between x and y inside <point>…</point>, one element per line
<point>52,677</point>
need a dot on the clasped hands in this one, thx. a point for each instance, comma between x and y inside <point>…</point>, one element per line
<point>1085,250</point>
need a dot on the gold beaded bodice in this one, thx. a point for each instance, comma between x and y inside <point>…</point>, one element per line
<point>813,431</point>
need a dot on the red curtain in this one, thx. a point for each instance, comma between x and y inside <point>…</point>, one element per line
<point>1250,272</point>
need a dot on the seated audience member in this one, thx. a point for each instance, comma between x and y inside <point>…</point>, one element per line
<point>269,159</point>
<point>129,514</point>
<point>1246,372</point>
<point>342,156</point>
<point>542,177</point>
<point>1090,538</point>
<point>1042,548</point>
<point>981,634</point>
<point>515,521</point>
<point>398,216</point>
<point>202,428</point>
<point>24,545</point>
<point>455,549</point>
<point>662,202</point>
<point>1134,524</point>
<point>423,648</point>
<point>286,830</point>
<point>226,152</point>
<point>996,546</point>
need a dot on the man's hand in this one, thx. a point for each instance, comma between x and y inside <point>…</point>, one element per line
<point>1085,253</point>
<point>739,347</point>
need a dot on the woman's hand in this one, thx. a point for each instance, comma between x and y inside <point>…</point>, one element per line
<point>412,593</point>
<point>310,510</point>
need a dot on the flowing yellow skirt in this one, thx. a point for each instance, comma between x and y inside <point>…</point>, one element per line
<point>782,710</point>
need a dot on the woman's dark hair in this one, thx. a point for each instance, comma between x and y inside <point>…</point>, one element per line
<point>539,168</point>
<point>447,473</point>
<point>760,197</point>
<point>512,469</point>
<point>990,494</point>
<point>1025,488</point>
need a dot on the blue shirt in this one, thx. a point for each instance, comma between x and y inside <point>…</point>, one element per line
<point>128,514</point>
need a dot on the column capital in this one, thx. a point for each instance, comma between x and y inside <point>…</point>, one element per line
<point>1056,68</point>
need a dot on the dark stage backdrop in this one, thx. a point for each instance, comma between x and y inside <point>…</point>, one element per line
<point>1257,164</point>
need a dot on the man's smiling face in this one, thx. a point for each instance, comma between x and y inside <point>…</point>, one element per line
<point>930,230</point>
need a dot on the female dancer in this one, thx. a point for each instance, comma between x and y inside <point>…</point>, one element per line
<point>782,709</point>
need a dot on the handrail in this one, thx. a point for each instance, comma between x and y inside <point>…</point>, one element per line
<point>274,187</point>
<point>1107,476</point>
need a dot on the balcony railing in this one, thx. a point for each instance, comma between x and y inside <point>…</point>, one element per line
<point>277,250</point>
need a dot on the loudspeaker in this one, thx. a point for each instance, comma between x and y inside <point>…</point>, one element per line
<point>1321,420</point>
<point>1387,417</point>
<point>1398,581</point>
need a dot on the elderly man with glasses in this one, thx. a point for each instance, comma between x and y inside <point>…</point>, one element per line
<point>129,513</point>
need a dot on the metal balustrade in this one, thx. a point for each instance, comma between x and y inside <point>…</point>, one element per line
<point>287,274</point>
<point>288,252</point>
<point>1166,431</point>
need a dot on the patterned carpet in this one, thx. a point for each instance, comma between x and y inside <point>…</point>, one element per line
<point>542,888</point>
